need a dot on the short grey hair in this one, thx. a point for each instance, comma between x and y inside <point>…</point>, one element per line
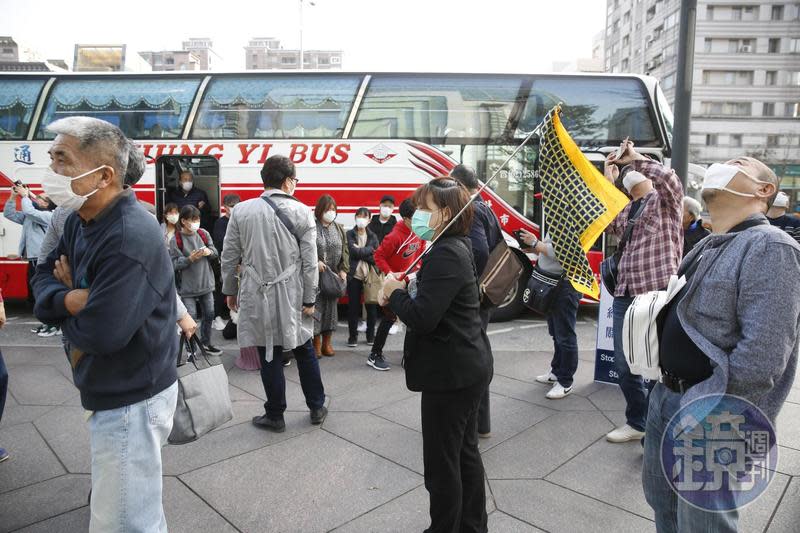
<point>136,164</point>
<point>106,142</point>
<point>692,206</point>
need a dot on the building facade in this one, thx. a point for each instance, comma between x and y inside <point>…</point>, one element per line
<point>266,53</point>
<point>203,48</point>
<point>746,78</point>
<point>170,60</point>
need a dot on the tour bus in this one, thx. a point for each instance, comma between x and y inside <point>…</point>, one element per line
<point>356,136</point>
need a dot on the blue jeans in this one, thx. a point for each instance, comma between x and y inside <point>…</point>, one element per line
<point>561,326</point>
<point>126,464</point>
<point>672,513</point>
<point>201,305</point>
<point>633,386</point>
<point>274,380</point>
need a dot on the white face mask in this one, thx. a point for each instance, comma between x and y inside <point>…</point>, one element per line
<point>59,188</point>
<point>361,223</point>
<point>194,226</point>
<point>187,186</point>
<point>719,175</point>
<point>329,216</point>
<point>386,211</point>
<point>172,218</point>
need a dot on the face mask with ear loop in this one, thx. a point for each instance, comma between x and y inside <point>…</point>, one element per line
<point>59,188</point>
<point>719,176</point>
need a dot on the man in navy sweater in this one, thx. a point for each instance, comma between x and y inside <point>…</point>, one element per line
<point>111,290</point>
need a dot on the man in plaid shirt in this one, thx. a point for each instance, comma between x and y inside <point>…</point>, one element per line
<point>652,254</point>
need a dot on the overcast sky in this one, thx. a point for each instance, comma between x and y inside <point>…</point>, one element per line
<point>414,35</point>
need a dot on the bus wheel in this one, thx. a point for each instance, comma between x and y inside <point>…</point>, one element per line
<point>512,306</point>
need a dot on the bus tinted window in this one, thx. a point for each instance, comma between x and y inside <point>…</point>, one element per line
<point>595,111</point>
<point>276,107</point>
<point>17,102</point>
<point>437,109</point>
<point>143,108</point>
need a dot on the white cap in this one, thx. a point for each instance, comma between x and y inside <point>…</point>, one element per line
<point>781,200</point>
<point>632,179</point>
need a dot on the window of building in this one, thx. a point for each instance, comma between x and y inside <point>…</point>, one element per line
<point>793,77</point>
<point>794,45</point>
<point>288,60</point>
<point>170,61</point>
<point>711,139</point>
<point>728,77</point>
<point>324,61</point>
<point>707,45</point>
<point>710,13</point>
<point>671,20</point>
<point>335,60</point>
<point>768,109</point>
<point>774,45</point>
<point>741,109</point>
<point>8,50</point>
<point>746,13</point>
<point>773,140</point>
<point>626,41</point>
<point>668,82</point>
<point>625,65</point>
<point>771,77</point>
<point>651,13</point>
<point>736,140</point>
<point>791,110</point>
<point>742,46</point>
<point>626,18</point>
<point>777,12</point>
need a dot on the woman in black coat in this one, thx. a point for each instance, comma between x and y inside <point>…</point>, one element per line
<point>362,243</point>
<point>447,357</point>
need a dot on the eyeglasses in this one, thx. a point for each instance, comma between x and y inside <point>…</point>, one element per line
<point>296,180</point>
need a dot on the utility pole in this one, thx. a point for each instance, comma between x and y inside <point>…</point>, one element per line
<point>683,90</point>
<point>301,34</point>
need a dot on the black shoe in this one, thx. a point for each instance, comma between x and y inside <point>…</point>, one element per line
<point>212,350</point>
<point>376,361</point>
<point>370,340</point>
<point>352,342</point>
<point>264,422</point>
<point>318,415</point>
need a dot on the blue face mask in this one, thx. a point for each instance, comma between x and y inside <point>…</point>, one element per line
<point>419,225</point>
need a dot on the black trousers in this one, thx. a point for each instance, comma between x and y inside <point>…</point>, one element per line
<point>484,415</point>
<point>31,271</point>
<point>355,289</point>
<point>387,321</point>
<point>454,473</point>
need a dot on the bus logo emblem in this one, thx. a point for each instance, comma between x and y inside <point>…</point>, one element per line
<point>22,154</point>
<point>380,153</point>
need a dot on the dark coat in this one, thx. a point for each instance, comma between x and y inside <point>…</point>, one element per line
<point>445,348</point>
<point>381,230</point>
<point>693,235</point>
<point>361,254</point>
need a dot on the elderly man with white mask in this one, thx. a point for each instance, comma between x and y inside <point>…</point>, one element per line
<point>651,255</point>
<point>732,330</point>
<point>777,216</point>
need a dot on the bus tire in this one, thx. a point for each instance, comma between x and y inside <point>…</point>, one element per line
<point>513,307</point>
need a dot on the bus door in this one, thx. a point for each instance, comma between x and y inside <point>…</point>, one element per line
<point>205,170</point>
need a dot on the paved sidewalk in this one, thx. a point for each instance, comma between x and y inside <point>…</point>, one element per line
<point>548,465</point>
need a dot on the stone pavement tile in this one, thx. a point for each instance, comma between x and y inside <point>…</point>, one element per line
<point>314,482</point>
<point>243,411</point>
<point>617,418</point>
<point>787,426</point>
<point>10,401</point>
<point>409,512</point>
<point>510,417</point>
<point>239,395</point>
<point>39,385</point>
<point>29,355</point>
<point>553,508</point>
<point>20,414</point>
<point>31,460</point>
<point>342,373</point>
<point>539,450</point>
<point>788,461</point>
<point>186,513</point>
<point>608,398</point>
<point>380,390</point>
<point>43,500</point>
<point>794,395</point>
<point>379,436</point>
<point>756,516</point>
<point>249,382</point>
<point>223,444</point>
<point>67,432</point>
<point>405,412</point>
<point>787,517</point>
<point>522,366</point>
<point>500,522</point>
<point>76,521</point>
<point>608,472</point>
<point>535,393</point>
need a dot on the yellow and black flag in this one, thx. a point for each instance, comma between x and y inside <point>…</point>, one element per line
<point>579,202</point>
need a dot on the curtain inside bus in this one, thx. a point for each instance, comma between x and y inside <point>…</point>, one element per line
<point>148,108</point>
<point>276,107</point>
<point>17,102</point>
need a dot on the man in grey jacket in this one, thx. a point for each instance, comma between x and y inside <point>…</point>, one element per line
<point>269,275</point>
<point>733,330</point>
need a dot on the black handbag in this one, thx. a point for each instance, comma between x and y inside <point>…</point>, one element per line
<point>541,291</point>
<point>609,268</point>
<point>331,286</point>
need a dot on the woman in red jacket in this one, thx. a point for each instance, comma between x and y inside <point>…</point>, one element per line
<point>397,251</point>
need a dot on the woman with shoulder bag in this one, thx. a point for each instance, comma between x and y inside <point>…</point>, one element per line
<point>562,314</point>
<point>334,262</point>
<point>361,243</point>
<point>447,356</point>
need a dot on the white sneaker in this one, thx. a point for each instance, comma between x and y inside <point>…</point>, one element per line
<point>624,434</point>
<point>362,327</point>
<point>547,378</point>
<point>393,329</point>
<point>218,324</point>
<point>557,392</point>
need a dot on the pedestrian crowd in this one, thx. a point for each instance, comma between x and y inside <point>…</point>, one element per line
<point>274,270</point>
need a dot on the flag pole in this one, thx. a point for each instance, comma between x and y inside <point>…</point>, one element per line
<point>536,131</point>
